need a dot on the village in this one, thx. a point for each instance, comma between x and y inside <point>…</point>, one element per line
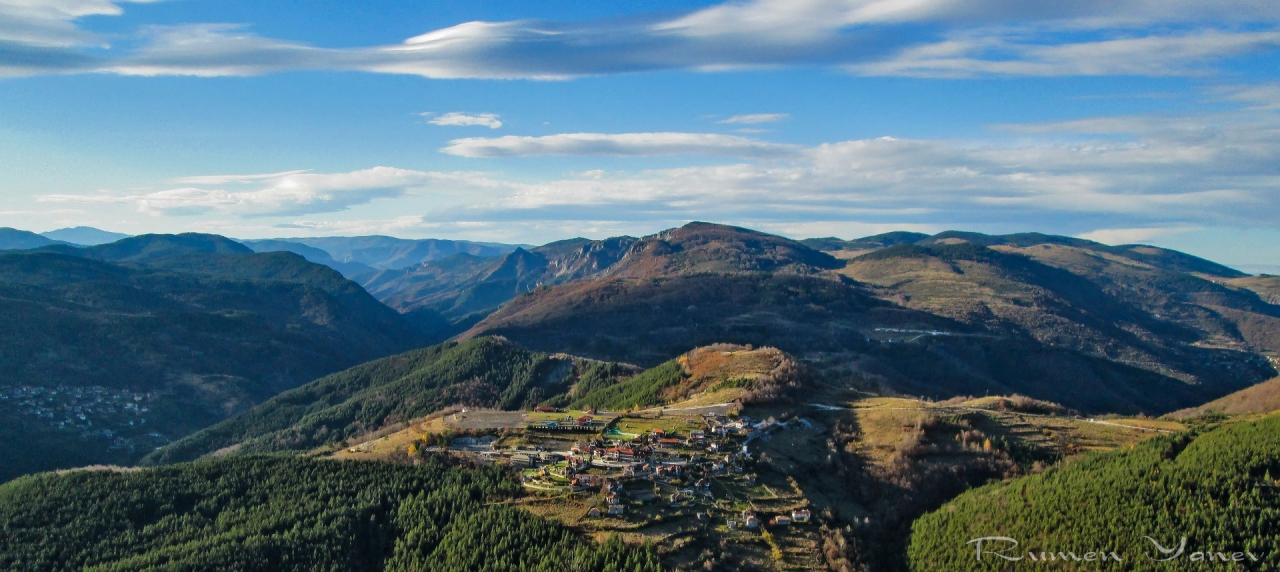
<point>640,467</point>
<point>118,416</point>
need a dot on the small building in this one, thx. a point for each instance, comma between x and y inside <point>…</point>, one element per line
<point>545,409</point>
<point>668,443</point>
<point>585,420</point>
<point>623,454</point>
<point>616,509</point>
<point>593,513</point>
<point>751,522</point>
<point>802,515</point>
<point>781,520</point>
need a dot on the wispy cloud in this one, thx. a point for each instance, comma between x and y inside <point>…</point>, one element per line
<point>754,118</point>
<point>1116,236</point>
<point>989,52</point>
<point>619,144</point>
<point>1120,178</point>
<point>934,38</point>
<point>459,119</point>
<point>287,193</point>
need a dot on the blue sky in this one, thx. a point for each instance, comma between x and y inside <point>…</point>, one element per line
<point>1123,121</point>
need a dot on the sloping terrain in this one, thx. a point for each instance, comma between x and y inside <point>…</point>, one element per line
<point>1265,286</point>
<point>312,254</point>
<point>110,351</point>
<point>1176,325</point>
<point>716,374</point>
<point>486,372</point>
<point>273,513</point>
<point>466,285</point>
<point>1214,487</point>
<point>14,239</point>
<point>84,235</point>
<point>939,320</point>
<point>1261,398</point>
<point>394,392</point>
<point>389,253</point>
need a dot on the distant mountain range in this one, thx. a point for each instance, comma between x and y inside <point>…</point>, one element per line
<point>84,235</point>
<point>352,256</point>
<point>111,350</point>
<point>358,255</point>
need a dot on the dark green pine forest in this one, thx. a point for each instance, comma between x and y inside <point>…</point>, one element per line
<point>268,514</point>
<point>1217,486</point>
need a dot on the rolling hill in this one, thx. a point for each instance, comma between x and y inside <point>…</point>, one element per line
<point>273,513</point>
<point>369,399</point>
<point>1214,487</point>
<point>389,253</point>
<point>1175,324</point>
<point>14,239</point>
<point>486,372</point>
<point>113,350</point>
<point>941,319</point>
<point>312,254</point>
<point>1261,398</point>
<point>84,235</point>
<point>465,286</point>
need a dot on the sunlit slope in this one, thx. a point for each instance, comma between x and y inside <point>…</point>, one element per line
<point>1216,487</point>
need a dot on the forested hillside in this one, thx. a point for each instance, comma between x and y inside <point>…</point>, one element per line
<point>1215,486</point>
<point>113,350</point>
<point>485,372</point>
<point>290,514</point>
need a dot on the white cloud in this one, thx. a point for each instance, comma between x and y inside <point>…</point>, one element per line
<point>1117,236</point>
<point>456,118</point>
<point>754,118</point>
<point>287,193</point>
<point>1265,96</point>
<point>618,144</point>
<point>989,53</point>
<point>935,38</point>
<point>1144,175</point>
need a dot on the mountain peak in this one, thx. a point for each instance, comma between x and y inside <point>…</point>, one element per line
<point>152,246</point>
<point>14,239</point>
<point>700,247</point>
<point>84,235</point>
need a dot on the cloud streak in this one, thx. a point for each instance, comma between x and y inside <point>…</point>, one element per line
<point>754,118</point>
<point>277,194</point>
<point>619,144</point>
<point>459,119</point>
<point>933,38</point>
<point>1148,173</point>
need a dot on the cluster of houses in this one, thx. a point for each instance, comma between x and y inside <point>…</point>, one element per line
<point>708,448</point>
<point>751,520</point>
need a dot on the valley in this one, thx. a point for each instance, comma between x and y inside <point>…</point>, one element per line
<point>708,397</point>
